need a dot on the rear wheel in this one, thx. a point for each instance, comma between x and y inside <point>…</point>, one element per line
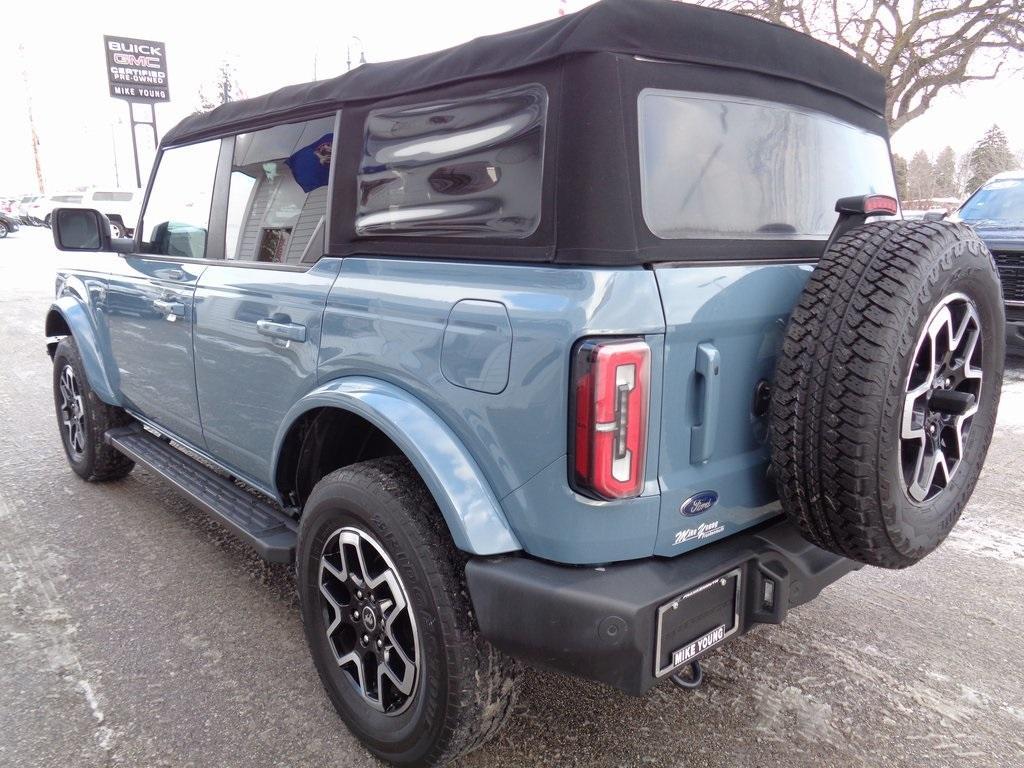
<point>3,230</point>
<point>388,620</point>
<point>83,419</point>
<point>886,390</point>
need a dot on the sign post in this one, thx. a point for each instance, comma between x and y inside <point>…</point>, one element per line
<point>137,73</point>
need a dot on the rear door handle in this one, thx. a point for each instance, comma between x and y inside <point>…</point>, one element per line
<point>279,330</point>
<point>169,307</point>
<point>702,435</point>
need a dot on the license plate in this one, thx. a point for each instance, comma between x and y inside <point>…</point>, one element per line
<point>696,621</point>
<point>701,644</point>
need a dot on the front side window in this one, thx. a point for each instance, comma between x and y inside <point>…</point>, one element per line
<point>728,167</point>
<point>277,199</point>
<point>467,167</point>
<point>177,214</point>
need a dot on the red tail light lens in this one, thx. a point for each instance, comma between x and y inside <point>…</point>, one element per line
<point>880,204</point>
<point>611,388</point>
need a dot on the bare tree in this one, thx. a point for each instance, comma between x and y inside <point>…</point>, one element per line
<point>224,89</point>
<point>921,46</point>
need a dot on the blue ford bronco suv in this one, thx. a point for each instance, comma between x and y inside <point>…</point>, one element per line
<point>571,346</point>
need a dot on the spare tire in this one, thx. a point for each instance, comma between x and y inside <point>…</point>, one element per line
<point>886,389</point>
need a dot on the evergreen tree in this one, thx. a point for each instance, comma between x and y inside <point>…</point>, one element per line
<point>899,166</point>
<point>991,155</point>
<point>920,177</point>
<point>945,173</point>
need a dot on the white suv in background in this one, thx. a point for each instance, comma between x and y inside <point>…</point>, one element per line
<point>121,206</point>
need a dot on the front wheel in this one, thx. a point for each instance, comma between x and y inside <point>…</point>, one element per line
<point>3,230</point>
<point>83,419</point>
<point>388,620</point>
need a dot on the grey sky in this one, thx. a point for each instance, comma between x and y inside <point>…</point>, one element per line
<point>274,44</point>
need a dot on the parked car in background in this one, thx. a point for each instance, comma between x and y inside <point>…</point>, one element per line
<point>24,204</point>
<point>8,223</point>
<point>996,212</point>
<point>121,206</point>
<point>932,214</point>
<point>39,210</point>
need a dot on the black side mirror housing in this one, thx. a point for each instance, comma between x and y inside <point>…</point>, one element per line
<point>935,216</point>
<point>80,229</point>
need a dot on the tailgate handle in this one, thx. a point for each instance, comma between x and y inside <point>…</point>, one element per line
<point>702,435</point>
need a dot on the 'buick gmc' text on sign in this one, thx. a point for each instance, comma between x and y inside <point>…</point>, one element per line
<point>136,69</point>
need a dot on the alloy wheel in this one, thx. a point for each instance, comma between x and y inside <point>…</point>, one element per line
<point>942,394</point>
<point>368,620</point>
<point>72,411</point>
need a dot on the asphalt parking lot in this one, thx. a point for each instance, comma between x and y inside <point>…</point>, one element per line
<point>135,632</point>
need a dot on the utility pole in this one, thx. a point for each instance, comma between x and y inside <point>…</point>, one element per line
<point>113,147</point>
<point>31,120</point>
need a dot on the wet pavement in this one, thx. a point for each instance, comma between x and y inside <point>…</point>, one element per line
<point>134,631</point>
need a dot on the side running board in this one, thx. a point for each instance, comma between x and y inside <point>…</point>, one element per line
<point>268,530</point>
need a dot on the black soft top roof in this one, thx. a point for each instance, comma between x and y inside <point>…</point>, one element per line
<point>658,29</point>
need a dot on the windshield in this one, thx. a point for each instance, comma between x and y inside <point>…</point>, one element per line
<point>998,202</point>
<point>729,167</point>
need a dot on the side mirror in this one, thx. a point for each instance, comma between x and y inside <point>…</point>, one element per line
<point>935,215</point>
<point>80,229</point>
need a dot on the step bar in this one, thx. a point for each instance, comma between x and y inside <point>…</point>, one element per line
<point>264,527</point>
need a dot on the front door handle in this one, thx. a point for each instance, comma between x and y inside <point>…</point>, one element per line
<point>169,308</point>
<point>279,330</point>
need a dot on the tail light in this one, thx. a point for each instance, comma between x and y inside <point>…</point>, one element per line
<point>610,388</point>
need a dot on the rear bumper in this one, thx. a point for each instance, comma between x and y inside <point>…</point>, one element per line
<point>601,623</point>
<point>1015,332</point>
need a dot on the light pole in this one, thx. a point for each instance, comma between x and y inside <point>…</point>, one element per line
<point>348,53</point>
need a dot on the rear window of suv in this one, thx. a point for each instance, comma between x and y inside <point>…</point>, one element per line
<point>729,167</point>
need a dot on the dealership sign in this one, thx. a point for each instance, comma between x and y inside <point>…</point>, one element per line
<point>136,69</point>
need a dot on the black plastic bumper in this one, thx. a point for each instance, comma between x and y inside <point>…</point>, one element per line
<point>1015,336</point>
<point>600,623</point>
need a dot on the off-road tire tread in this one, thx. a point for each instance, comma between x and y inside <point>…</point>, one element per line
<point>829,399</point>
<point>108,463</point>
<point>483,683</point>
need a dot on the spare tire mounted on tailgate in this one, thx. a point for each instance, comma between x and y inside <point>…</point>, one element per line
<point>886,389</point>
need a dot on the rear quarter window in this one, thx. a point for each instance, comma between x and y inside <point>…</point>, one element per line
<point>730,167</point>
<point>468,167</point>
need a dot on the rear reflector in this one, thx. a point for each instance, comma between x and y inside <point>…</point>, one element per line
<point>611,387</point>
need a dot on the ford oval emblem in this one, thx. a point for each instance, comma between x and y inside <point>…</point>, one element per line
<point>698,503</point>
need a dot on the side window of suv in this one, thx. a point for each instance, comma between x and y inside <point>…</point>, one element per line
<point>177,214</point>
<point>277,199</point>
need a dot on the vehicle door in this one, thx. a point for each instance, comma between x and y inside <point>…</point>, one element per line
<point>258,313</point>
<point>149,300</point>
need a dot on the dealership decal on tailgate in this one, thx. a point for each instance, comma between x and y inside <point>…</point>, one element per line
<point>701,644</point>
